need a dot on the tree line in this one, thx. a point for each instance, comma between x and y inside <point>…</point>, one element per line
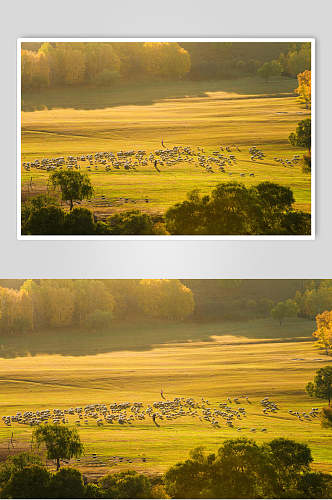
<point>60,64</point>
<point>91,304</point>
<point>314,302</point>
<point>231,208</point>
<point>240,468</point>
<point>94,304</point>
<point>224,60</point>
<point>36,304</point>
<point>96,63</point>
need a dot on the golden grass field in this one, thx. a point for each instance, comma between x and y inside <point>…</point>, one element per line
<point>208,114</point>
<point>213,361</point>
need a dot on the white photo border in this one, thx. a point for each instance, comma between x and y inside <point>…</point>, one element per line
<point>312,40</point>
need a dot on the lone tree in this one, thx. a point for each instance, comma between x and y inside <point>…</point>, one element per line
<point>282,310</point>
<point>74,186</point>
<point>321,387</point>
<point>302,136</point>
<point>304,88</point>
<point>60,441</point>
<point>324,331</point>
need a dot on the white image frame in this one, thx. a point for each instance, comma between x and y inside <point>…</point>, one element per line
<point>170,237</point>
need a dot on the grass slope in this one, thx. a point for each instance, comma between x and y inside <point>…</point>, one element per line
<point>245,112</point>
<point>209,360</point>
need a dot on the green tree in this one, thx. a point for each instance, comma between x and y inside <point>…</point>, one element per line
<point>79,221</point>
<point>240,469</point>
<point>126,294</point>
<point>275,198</point>
<point>290,460</point>
<point>314,301</point>
<point>286,309</point>
<point>29,482</point>
<point>314,485</point>
<point>16,311</point>
<point>275,204</point>
<point>302,136</point>
<point>199,468</point>
<point>107,78</point>
<point>130,222</point>
<point>99,320</point>
<point>33,205</point>
<point>326,417</point>
<point>321,387</point>
<point>188,217</point>
<point>244,469</point>
<point>306,168</point>
<point>74,186</point>
<point>268,69</point>
<point>16,463</point>
<point>295,222</point>
<point>61,442</point>
<point>299,60</point>
<point>91,296</point>
<point>102,63</point>
<point>93,490</point>
<point>45,221</point>
<point>67,483</point>
<point>127,484</point>
<point>232,208</point>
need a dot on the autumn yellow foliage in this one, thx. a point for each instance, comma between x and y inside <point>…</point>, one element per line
<point>324,330</point>
<point>304,87</point>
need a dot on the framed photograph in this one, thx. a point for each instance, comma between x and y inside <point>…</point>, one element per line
<point>187,138</point>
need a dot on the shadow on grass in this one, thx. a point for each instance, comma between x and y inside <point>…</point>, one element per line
<point>89,98</point>
<point>147,336</point>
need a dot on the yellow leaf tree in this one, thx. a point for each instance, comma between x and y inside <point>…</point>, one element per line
<point>15,311</point>
<point>304,87</point>
<point>166,299</point>
<point>323,334</point>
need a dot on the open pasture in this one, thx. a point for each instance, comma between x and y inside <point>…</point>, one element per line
<point>244,112</point>
<point>226,364</point>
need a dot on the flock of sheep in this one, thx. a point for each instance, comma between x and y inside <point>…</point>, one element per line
<point>219,160</point>
<point>231,413</point>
